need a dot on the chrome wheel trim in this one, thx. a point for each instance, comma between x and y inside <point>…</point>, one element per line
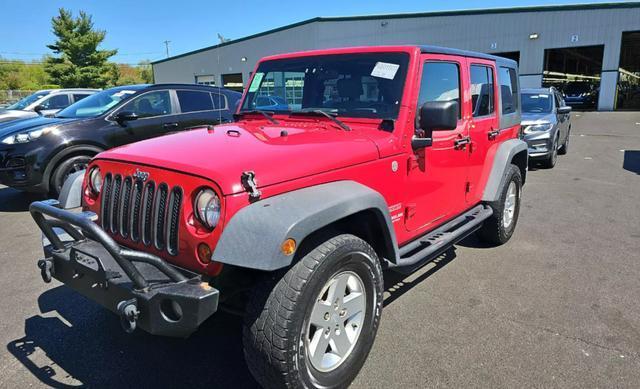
<point>334,325</point>
<point>510,205</point>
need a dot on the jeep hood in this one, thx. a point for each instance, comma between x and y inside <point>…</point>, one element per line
<point>223,153</point>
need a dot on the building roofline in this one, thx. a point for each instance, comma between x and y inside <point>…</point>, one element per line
<point>542,8</point>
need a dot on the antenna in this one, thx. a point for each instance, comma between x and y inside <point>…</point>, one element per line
<point>166,45</point>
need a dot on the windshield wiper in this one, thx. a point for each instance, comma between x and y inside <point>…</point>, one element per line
<point>328,113</point>
<point>266,114</point>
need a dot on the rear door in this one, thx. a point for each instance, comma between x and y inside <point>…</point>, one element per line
<point>199,107</point>
<point>437,174</point>
<point>484,128</point>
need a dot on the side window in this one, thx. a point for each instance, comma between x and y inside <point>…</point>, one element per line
<point>150,104</point>
<point>219,101</point>
<point>56,102</point>
<point>558,100</point>
<point>508,90</point>
<point>482,90</point>
<point>78,97</point>
<point>194,101</point>
<point>440,82</point>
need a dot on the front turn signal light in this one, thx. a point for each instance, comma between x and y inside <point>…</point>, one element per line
<point>288,247</point>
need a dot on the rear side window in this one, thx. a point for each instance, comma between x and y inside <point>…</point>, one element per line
<point>56,102</point>
<point>193,101</point>
<point>219,101</point>
<point>508,90</point>
<point>440,82</point>
<point>482,90</point>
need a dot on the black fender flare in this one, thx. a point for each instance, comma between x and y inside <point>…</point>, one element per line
<point>253,236</point>
<point>507,152</point>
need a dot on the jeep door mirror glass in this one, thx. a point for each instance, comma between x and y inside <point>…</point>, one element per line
<point>564,110</point>
<point>125,116</point>
<point>438,116</point>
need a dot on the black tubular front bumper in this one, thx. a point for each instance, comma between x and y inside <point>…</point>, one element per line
<point>143,289</point>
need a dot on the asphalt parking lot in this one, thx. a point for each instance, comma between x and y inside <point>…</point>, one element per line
<point>555,307</point>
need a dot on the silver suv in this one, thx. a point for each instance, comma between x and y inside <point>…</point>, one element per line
<point>44,102</point>
<point>546,124</point>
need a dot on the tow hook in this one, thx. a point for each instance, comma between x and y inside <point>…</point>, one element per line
<point>128,312</point>
<point>46,269</point>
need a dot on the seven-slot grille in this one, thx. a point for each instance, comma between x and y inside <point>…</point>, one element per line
<point>141,211</point>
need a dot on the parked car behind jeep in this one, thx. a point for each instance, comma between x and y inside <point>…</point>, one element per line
<point>381,158</point>
<point>44,103</point>
<point>546,124</point>
<point>38,154</point>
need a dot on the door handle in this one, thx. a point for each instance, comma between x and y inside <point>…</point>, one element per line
<point>460,143</point>
<point>493,134</point>
<point>170,126</point>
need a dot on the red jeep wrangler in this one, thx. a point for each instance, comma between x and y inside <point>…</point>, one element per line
<point>372,158</point>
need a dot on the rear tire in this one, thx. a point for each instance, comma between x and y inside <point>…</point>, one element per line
<point>499,228</point>
<point>314,325</point>
<point>64,170</point>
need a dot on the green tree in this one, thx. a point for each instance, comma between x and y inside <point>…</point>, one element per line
<point>79,63</point>
<point>146,72</point>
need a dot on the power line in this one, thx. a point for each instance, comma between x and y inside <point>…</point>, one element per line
<point>20,62</point>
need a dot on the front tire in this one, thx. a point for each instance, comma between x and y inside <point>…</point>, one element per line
<point>551,160</point>
<point>499,228</point>
<point>314,325</point>
<point>564,149</point>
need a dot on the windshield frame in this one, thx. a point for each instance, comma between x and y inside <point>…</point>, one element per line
<point>137,89</point>
<point>548,110</point>
<point>402,81</point>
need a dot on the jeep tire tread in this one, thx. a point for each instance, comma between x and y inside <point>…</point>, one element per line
<point>493,230</point>
<point>278,314</point>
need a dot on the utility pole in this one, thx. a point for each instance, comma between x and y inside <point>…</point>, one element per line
<point>166,45</point>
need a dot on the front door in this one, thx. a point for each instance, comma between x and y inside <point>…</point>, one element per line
<point>437,174</point>
<point>156,117</point>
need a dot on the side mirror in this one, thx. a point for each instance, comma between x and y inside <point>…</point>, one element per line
<point>564,110</point>
<point>38,108</point>
<point>435,116</point>
<point>125,116</point>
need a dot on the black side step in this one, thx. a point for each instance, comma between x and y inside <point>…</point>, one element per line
<point>427,248</point>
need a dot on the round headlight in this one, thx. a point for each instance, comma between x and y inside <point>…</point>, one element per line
<point>95,180</point>
<point>207,207</point>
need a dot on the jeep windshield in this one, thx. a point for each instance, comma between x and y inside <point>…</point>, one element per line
<point>365,85</point>
<point>99,103</point>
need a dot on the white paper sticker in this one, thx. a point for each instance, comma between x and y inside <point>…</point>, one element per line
<point>385,70</point>
<point>255,83</point>
<point>124,92</point>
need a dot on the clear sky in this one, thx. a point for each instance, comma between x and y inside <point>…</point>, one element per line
<point>138,28</point>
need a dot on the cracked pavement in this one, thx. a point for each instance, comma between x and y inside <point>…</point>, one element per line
<point>555,307</point>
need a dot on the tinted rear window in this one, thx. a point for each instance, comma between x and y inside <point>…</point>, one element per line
<point>193,101</point>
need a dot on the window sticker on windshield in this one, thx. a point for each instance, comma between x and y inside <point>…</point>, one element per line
<point>385,70</point>
<point>124,92</point>
<point>255,83</point>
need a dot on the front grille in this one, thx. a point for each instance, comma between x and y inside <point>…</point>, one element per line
<point>141,211</point>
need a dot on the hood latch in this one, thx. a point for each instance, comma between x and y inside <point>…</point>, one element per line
<point>248,180</point>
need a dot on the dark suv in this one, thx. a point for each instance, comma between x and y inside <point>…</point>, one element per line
<point>38,154</point>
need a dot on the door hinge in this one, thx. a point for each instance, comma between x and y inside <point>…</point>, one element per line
<point>467,187</point>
